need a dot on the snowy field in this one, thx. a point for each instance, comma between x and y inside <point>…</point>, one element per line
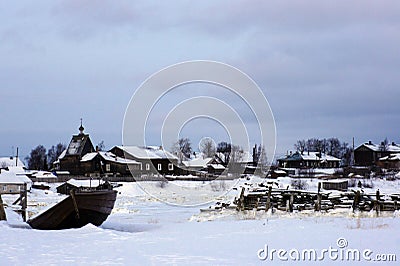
<point>144,231</point>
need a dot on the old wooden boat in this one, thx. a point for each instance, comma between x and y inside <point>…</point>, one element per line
<point>80,208</point>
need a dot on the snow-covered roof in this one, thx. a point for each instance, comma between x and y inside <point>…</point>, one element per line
<point>217,166</point>
<point>197,162</point>
<point>393,147</point>
<point>10,161</point>
<point>12,177</point>
<point>108,156</point>
<point>391,157</point>
<point>314,156</point>
<point>42,174</point>
<point>311,156</point>
<point>77,144</point>
<point>62,155</point>
<point>88,156</point>
<point>149,152</point>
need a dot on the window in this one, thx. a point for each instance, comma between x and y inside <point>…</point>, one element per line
<point>147,166</point>
<point>159,167</point>
<point>108,167</point>
<point>4,188</point>
<point>170,167</point>
<point>141,166</point>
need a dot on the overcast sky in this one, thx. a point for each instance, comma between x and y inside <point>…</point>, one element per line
<point>327,69</point>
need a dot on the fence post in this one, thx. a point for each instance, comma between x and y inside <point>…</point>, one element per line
<point>2,212</point>
<point>318,205</point>
<point>268,205</point>
<point>24,201</point>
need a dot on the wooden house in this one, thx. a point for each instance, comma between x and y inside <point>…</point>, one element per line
<point>309,160</point>
<point>197,164</point>
<point>107,163</point>
<point>391,161</point>
<point>152,159</point>
<point>368,154</point>
<point>12,181</point>
<point>215,169</point>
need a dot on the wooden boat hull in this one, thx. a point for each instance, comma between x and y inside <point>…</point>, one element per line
<point>93,207</point>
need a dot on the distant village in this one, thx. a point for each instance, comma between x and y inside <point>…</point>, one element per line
<point>82,160</point>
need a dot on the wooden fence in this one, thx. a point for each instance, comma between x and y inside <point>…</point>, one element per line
<point>299,200</point>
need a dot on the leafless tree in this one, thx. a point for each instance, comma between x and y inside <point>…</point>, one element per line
<point>182,148</point>
<point>224,148</point>
<point>261,159</point>
<point>54,152</point>
<point>334,147</point>
<point>300,146</point>
<point>384,145</point>
<point>207,147</point>
<point>236,159</point>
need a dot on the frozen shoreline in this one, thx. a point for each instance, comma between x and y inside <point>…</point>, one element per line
<point>144,231</point>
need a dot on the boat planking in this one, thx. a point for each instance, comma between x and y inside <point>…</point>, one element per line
<point>80,208</point>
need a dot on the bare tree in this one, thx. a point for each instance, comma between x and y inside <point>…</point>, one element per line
<point>207,147</point>
<point>54,152</point>
<point>384,145</point>
<point>300,146</point>
<point>37,159</point>
<point>235,159</point>
<point>334,147</point>
<point>310,144</point>
<point>101,146</point>
<point>346,154</point>
<point>182,148</point>
<point>261,159</point>
<point>224,148</point>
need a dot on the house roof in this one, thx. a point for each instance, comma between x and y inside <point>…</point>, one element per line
<point>217,166</point>
<point>108,156</point>
<point>149,152</point>
<point>61,156</point>
<point>310,156</point>
<point>10,161</point>
<point>393,147</point>
<point>197,162</point>
<point>77,144</point>
<point>391,157</point>
<point>13,177</point>
<point>42,174</point>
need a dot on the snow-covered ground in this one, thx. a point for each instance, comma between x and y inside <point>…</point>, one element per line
<point>144,231</point>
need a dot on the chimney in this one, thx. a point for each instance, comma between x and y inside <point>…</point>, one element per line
<point>370,142</point>
<point>393,144</point>
<point>97,149</point>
